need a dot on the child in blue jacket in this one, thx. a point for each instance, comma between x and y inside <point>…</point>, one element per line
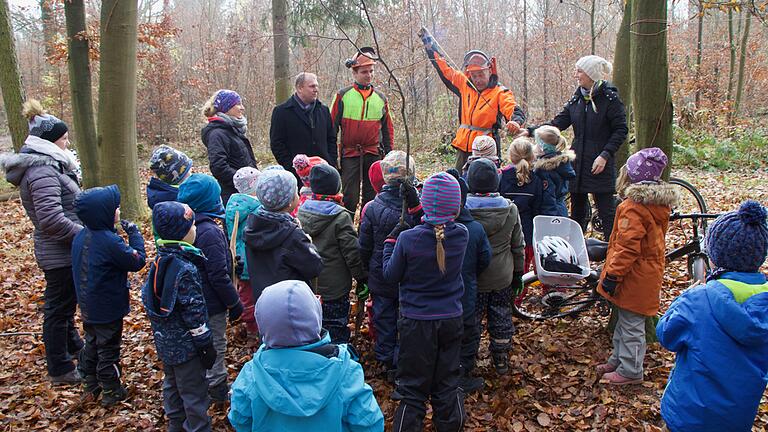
<point>241,205</point>
<point>524,189</point>
<point>203,194</point>
<point>554,167</point>
<point>426,261</point>
<point>173,300</point>
<point>719,332</point>
<point>170,168</point>
<point>378,218</point>
<point>298,380</point>
<point>100,264</point>
<point>476,259</point>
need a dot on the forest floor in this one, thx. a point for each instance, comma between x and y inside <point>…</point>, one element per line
<point>551,386</point>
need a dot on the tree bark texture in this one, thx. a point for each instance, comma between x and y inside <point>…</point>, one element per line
<point>651,97</point>
<point>699,53</point>
<point>117,103</point>
<point>282,54</point>
<point>79,65</point>
<point>622,75</point>
<point>10,79</point>
<point>742,64</point>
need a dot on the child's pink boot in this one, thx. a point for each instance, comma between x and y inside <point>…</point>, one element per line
<point>605,368</point>
<point>614,378</point>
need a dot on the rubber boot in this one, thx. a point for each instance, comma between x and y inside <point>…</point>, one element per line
<point>112,394</point>
<point>501,362</point>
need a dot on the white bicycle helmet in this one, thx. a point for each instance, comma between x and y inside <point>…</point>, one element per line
<point>557,249</point>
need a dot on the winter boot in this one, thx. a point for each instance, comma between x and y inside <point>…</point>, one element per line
<point>112,393</point>
<point>71,377</point>
<point>91,388</point>
<point>501,362</point>
<point>219,393</point>
<point>470,384</point>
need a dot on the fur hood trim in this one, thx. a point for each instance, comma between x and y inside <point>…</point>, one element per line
<point>550,163</point>
<point>662,193</point>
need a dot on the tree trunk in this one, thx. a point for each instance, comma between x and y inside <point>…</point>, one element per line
<point>653,105</point>
<point>592,27</point>
<point>49,27</point>
<point>732,59</point>
<point>622,75</point>
<point>10,79</point>
<point>545,81</point>
<point>525,56</point>
<point>282,55</point>
<point>117,103</point>
<point>742,63</point>
<point>80,86</point>
<point>699,53</point>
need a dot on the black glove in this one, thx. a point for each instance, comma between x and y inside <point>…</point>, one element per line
<point>239,265</point>
<point>454,172</point>
<point>235,312</point>
<point>207,355</point>
<point>609,284</point>
<point>410,194</point>
<point>517,283</point>
<point>128,226</point>
<point>400,227</point>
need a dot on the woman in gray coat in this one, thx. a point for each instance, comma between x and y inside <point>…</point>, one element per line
<point>44,170</point>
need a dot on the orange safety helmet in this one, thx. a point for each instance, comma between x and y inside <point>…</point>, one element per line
<point>490,62</point>
<point>364,57</point>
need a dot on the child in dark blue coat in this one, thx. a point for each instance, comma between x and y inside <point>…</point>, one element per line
<point>524,189</point>
<point>719,332</point>
<point>202,193</point>
<point>377,220</point>
<point>170,167</point>
<point>476,259</point>
<point>426,261</point>
<point>554,167</point>
<point>173,299</point>
<point>100,264</point>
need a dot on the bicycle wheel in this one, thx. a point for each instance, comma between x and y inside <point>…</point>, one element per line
<point>691,200</point>
<point>540,302</point>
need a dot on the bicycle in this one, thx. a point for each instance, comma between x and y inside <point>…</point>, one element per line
<point>540,302</point>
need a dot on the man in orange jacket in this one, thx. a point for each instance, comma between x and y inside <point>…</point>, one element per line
<point>484,102</point>
<point>362,114</point>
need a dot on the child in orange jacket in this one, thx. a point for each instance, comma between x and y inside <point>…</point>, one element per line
<point>634,265</point>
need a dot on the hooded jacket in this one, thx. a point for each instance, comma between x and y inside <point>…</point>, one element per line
<point>333,234</point>
<point>720,334</point>
<point>527,198</point>
<point>173,299</point>
<point>501,223</point>
<point>595,134</point>
<point>555,171</point>
<point>159,191</point>
<point>377,220</point>
<point>411,261</point>
<point>477,258</point>
<point>297,389</point>
<point>635,256</point>
<point>240,205</point>
<point>276,249</point>
<point>101,260</point>
<point>216,269</point>
<point>47,186</point>
<point>228,151</point>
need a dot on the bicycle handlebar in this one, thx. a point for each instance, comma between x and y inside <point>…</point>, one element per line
<point>676,216</point>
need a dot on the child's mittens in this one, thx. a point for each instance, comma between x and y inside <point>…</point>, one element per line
<point>207,355</point>
<point>362,290</point>
<point>239,265</point>
<point>395,233</point>
<point>410,194</point>
<point>609,284</point>
<point>517,283</point>
<point>128,226</point>
<point>235,312</point>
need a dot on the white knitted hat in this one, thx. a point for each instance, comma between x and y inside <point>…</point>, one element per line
<point>596,67</point>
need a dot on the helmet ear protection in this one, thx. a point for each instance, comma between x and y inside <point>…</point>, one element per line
<point>365,56</point>
<point>490,62</point>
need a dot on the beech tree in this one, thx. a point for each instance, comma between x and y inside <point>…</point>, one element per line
<point>10,80</point>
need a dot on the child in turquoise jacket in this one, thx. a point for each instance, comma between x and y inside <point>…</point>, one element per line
<point>719,332</point>
<point>298,380</point>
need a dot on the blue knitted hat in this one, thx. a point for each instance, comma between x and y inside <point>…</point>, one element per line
<point>440,199</point>
<point>738,240</point>
<point>203,194</point>
<point>276,188</point>
<point>172,220</point>
<point>170,165</point>
<point>225,100</point>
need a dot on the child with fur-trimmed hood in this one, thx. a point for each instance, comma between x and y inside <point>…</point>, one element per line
<point>554,167</point>
<point>634,266</point>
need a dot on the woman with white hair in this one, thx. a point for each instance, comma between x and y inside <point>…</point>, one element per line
<point>599,123</point>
